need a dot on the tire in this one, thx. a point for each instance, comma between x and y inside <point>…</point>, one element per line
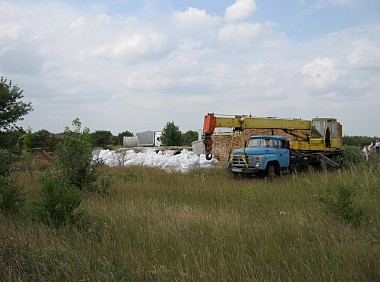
<point>271,172</point>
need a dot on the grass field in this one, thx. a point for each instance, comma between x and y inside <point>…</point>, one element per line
<point>204,226</point>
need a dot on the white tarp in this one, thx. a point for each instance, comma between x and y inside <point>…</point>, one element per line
<point>182,162</point>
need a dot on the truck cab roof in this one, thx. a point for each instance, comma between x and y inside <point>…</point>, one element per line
<point>278,137</point>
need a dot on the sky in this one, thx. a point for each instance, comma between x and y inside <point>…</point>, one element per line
<point>136,65</point>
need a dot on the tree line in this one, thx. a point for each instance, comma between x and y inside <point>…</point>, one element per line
<point>19,139</point>
<point>359,141</point>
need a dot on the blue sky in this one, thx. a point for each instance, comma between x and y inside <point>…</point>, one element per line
<point>135,65</point>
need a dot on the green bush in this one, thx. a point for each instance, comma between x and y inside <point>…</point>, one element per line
<point>10,139</point>
<point>73,156</point>
<point>6,160</point>
<point>60,199</point>
<point>344,207</point>
<point>350,156</point>
<point>41,139</point>
<point>11,196</point>
<point>339,199</point>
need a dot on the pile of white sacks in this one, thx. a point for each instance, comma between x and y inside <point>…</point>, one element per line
<point>167,160</point>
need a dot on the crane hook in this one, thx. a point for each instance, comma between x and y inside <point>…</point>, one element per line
<point>208,146</point>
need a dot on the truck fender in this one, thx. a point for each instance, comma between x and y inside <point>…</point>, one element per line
<point>269,159</point>
<point>272,170</point>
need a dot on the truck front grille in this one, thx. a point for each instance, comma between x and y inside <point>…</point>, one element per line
<point>238,161</point>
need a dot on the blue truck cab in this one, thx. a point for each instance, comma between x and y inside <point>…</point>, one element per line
<point>265,155</point>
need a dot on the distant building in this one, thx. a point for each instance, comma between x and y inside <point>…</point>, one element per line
<point>149,138</point>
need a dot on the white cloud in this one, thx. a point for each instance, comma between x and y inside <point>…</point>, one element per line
<point>321,72</point>
<point>365,56</point>
<point>139,44</point>
<point>9,31</point>
<point>244,34</point>
<point>104,18</point>
<point>148,81</point>
<point>240,10</point>
<point>194,100</point>
<point>78,23</point>
<point>194,19</point>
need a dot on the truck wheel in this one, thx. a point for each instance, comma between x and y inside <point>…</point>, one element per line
<point>271,173</point>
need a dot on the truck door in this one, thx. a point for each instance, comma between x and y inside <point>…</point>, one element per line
<point>283,154</point>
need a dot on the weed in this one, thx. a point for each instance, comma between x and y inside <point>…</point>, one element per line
<point>339,198</point>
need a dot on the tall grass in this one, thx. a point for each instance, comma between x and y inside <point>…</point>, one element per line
<point>204,226</point>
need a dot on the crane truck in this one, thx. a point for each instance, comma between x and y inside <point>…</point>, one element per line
<point>317,141</point>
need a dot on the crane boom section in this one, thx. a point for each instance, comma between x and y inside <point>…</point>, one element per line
<point>245,122</point>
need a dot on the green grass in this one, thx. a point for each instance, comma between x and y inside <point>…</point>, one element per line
<point>204,226</point>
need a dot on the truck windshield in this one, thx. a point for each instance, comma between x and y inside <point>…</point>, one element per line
<point>262,142</point>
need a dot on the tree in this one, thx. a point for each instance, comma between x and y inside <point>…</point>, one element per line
<point>101,138</point>
<point>40,139</point>
<point>358,140</point>
<point>188,137</point>
<point>11,108</point>
<point>10,139</point>
<point>171,135</point>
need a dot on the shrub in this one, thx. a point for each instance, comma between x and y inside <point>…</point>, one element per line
<point>11,196</point>
<point>350,156</point>
<point>339,199</point>
<point>59,199</point>
<point>39,139</point>
<point>10,139</point>
<point>6,160</point>
<point>344,207</point>
<point>73,156</point>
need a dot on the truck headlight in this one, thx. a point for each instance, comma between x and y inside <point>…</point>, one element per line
<point>257,164</point>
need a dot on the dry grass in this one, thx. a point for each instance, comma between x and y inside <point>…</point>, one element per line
<point>202,226</point>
